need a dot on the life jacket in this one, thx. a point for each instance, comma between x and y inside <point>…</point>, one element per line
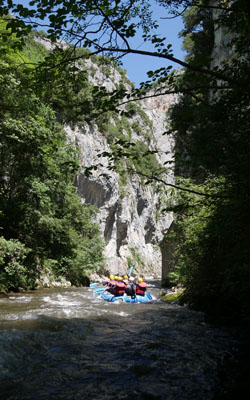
<point>118,289</point>
<point>126,281</point>
<point>141,288</point>
<point>111,283</point>
<point>130,289</point>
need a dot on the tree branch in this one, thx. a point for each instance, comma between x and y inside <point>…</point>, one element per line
<point>112,25</point>
<point>191,67</point>
<point>157,179</point>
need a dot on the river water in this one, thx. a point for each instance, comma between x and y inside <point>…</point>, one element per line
<point>68,344</point>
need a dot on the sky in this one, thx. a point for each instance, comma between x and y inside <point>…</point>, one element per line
<point>137,66</point>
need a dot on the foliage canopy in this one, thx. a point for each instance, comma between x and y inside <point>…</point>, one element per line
<point>43,222</point>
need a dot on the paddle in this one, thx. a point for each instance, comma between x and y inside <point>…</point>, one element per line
<point>94,284</point>
<point>149,296</point>
<point>99,290</point>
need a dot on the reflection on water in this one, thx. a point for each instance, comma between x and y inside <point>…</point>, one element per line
<point>68,344</point>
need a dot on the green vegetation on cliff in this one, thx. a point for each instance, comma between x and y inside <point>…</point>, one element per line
<point>43,223</point>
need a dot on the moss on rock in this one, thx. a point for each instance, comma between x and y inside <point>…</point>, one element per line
<point>172,297</point>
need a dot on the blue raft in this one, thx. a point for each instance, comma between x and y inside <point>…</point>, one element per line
<point>127,299</point>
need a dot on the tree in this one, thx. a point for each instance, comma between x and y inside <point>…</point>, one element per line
<point>41,217</point>
<point>104,27</point>
<point>213,132</point>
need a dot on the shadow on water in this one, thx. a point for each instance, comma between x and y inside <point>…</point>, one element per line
<point>145,351</point>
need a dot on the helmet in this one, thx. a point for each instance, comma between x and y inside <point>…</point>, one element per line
<point>140,280</point>
<point>116,277</point>
<point>125,277</point>
<point>111,277</point>
<point>119,278</point>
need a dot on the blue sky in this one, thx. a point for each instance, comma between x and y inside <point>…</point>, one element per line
<point>138,65</point>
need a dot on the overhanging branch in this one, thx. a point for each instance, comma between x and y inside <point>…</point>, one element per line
<point>183,189</point>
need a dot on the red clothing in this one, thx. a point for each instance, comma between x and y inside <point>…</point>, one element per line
<point>141,288</point>
<point>118,289</point>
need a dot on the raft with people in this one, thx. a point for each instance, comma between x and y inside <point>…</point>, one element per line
<point>124,289</point>
<point>127,299</point>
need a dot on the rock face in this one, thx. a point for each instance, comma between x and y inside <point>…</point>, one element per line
<point>128,210</point>
<point>222,51</point>
<point>129,213</point>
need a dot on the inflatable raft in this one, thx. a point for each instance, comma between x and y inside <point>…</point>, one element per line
<point>127,299</point>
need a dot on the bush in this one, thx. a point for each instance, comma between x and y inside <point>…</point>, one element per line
<point>13,272</point>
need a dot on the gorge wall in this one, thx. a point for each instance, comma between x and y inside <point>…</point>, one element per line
<point>129,214</point>
<point>128,210</point>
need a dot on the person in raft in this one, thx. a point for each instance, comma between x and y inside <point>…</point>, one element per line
<point>130,288</point>
<point>141,287</point>
<point>118,287</point>
<point>109,282</point>
<point>135,287</point>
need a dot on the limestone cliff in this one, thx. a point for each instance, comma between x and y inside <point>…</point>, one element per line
<point>129,211</point>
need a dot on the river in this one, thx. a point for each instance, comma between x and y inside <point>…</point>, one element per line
<point>68,344</point>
